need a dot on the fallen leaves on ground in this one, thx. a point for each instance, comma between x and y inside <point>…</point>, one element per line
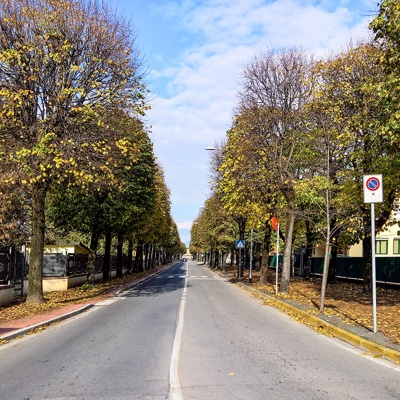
<point>54,300</point>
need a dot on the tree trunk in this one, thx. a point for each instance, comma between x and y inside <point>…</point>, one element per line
<point>332,264</point>
<point>265,254</point>
<point>287,252</point>
<point>216,261</point>
<point>151,256</point>
<point>107,253</point>
<point>139,257</point>
<point>119,255</point>
<point>311,237</point>
<point>144,258</point>
<point>91,269</point>
<point>35,287</point>
<point>154,256</point>
<point>147,257</point>
<point>224,257</point>
<point>324,276</point>
<point>129,258</point>
<point>329,224</point>
<point>334,250</point>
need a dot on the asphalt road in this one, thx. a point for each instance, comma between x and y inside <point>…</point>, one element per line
<point>195,333</point>
<point>234,347</point>
<point>120,350</point>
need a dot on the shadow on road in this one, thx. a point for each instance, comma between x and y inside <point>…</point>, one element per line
<point>167,281</point>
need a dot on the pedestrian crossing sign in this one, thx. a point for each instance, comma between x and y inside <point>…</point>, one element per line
<point>240,244</point>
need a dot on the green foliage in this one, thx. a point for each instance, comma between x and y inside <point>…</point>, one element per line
<point>213,228</point>
<point>72,95</point>
<point>14,215</point>
<point>87,286</point>
<point>309,160</point>
<point>66,68</point>
<point>386,26</point>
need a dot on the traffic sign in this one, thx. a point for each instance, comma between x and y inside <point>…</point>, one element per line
<point>373,189</point>
<point>240,244</point>
<point>275,223</point>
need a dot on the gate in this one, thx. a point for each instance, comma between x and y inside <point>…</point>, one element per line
<point>12,264</point>
<point>5,265</point>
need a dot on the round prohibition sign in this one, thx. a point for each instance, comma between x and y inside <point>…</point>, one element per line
<point>373,184</point>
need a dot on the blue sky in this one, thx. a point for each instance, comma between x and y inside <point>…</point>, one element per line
<point>195,51</point>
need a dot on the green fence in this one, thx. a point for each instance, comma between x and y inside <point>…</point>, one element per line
<point>272,261</point>
<point>387,268</point>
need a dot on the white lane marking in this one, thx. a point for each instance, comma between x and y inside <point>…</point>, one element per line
<point>175,392</point>
<point>363,353</point>
<point>185,276</point>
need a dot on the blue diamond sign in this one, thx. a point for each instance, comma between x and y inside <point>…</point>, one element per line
<point>240,244</point>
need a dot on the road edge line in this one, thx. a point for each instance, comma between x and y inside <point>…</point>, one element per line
<point>175,389</point>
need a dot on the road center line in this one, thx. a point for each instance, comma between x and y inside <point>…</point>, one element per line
<point>175,391</point>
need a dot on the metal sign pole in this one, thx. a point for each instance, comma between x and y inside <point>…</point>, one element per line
<point>373,193</point>
<point>373,267</point>
<point>251,258</point>
<point>277,260</point>
<point>240,263</point>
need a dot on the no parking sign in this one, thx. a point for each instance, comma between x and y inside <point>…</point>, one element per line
<point>373,189</point>
<point>373,193</point>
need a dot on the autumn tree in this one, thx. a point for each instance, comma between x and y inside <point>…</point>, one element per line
<point>274,91</point>
<point>153,225</point>
<point>347,98</point>
<point>386,27</point>
<point>247,189</point>
<point>15,228</point>
<point>213,231</point>
<point>119,209</point>
<point>66,67</point>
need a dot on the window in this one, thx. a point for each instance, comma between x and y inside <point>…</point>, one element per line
<point>396,210</point>
<point>396,246</point>
<point>381,247</point>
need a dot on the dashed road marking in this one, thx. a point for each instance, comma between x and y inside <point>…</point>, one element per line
<point>183,277</point>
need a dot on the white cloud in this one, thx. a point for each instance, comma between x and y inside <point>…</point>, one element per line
<point>195,109</point>
<point>185,225</point>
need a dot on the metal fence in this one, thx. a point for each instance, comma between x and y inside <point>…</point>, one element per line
<point>99,263</point>
<point>387,268</point>
<point>12,265</point>
<point>77,264</point>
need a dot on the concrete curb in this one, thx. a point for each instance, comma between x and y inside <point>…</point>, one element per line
<point>327,328</point>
